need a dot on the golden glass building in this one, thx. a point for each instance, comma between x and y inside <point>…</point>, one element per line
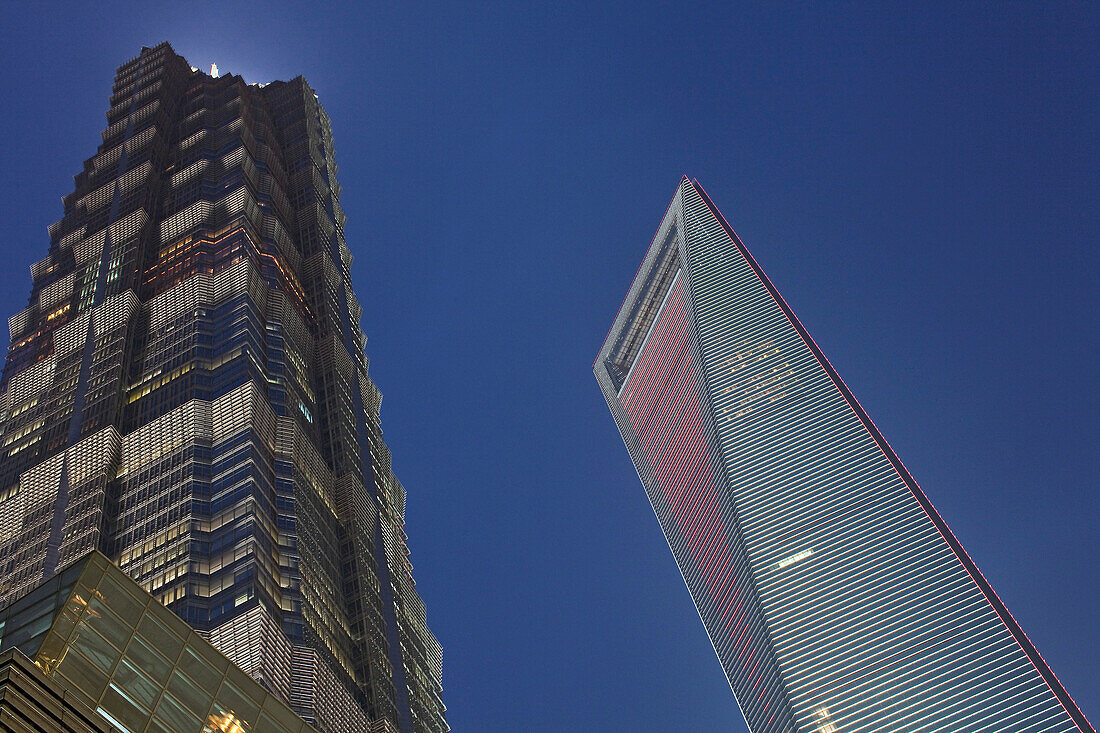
<point>108,657</point>
<point>187,392</point>
<point>835,596</point>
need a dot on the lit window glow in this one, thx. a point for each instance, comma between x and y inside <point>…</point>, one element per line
<point>795,558</point>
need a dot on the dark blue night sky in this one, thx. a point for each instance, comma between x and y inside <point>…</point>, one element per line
<point>920,183</point>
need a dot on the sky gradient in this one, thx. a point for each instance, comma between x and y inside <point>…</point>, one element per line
<point>920,184</point>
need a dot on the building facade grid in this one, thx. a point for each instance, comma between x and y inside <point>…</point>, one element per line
<point>187,391</point>
<point>834,595</point>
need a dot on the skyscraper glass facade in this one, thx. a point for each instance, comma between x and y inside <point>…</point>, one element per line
<point>835,596</point>
<point>187,391</point>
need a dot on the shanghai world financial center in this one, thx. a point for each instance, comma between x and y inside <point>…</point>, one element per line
<point>834,594</point>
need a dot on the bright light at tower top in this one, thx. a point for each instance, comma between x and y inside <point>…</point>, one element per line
<point>216,73</point>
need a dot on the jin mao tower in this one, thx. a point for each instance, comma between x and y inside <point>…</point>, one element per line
<point>187,392</point>
<point>834,594</point>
